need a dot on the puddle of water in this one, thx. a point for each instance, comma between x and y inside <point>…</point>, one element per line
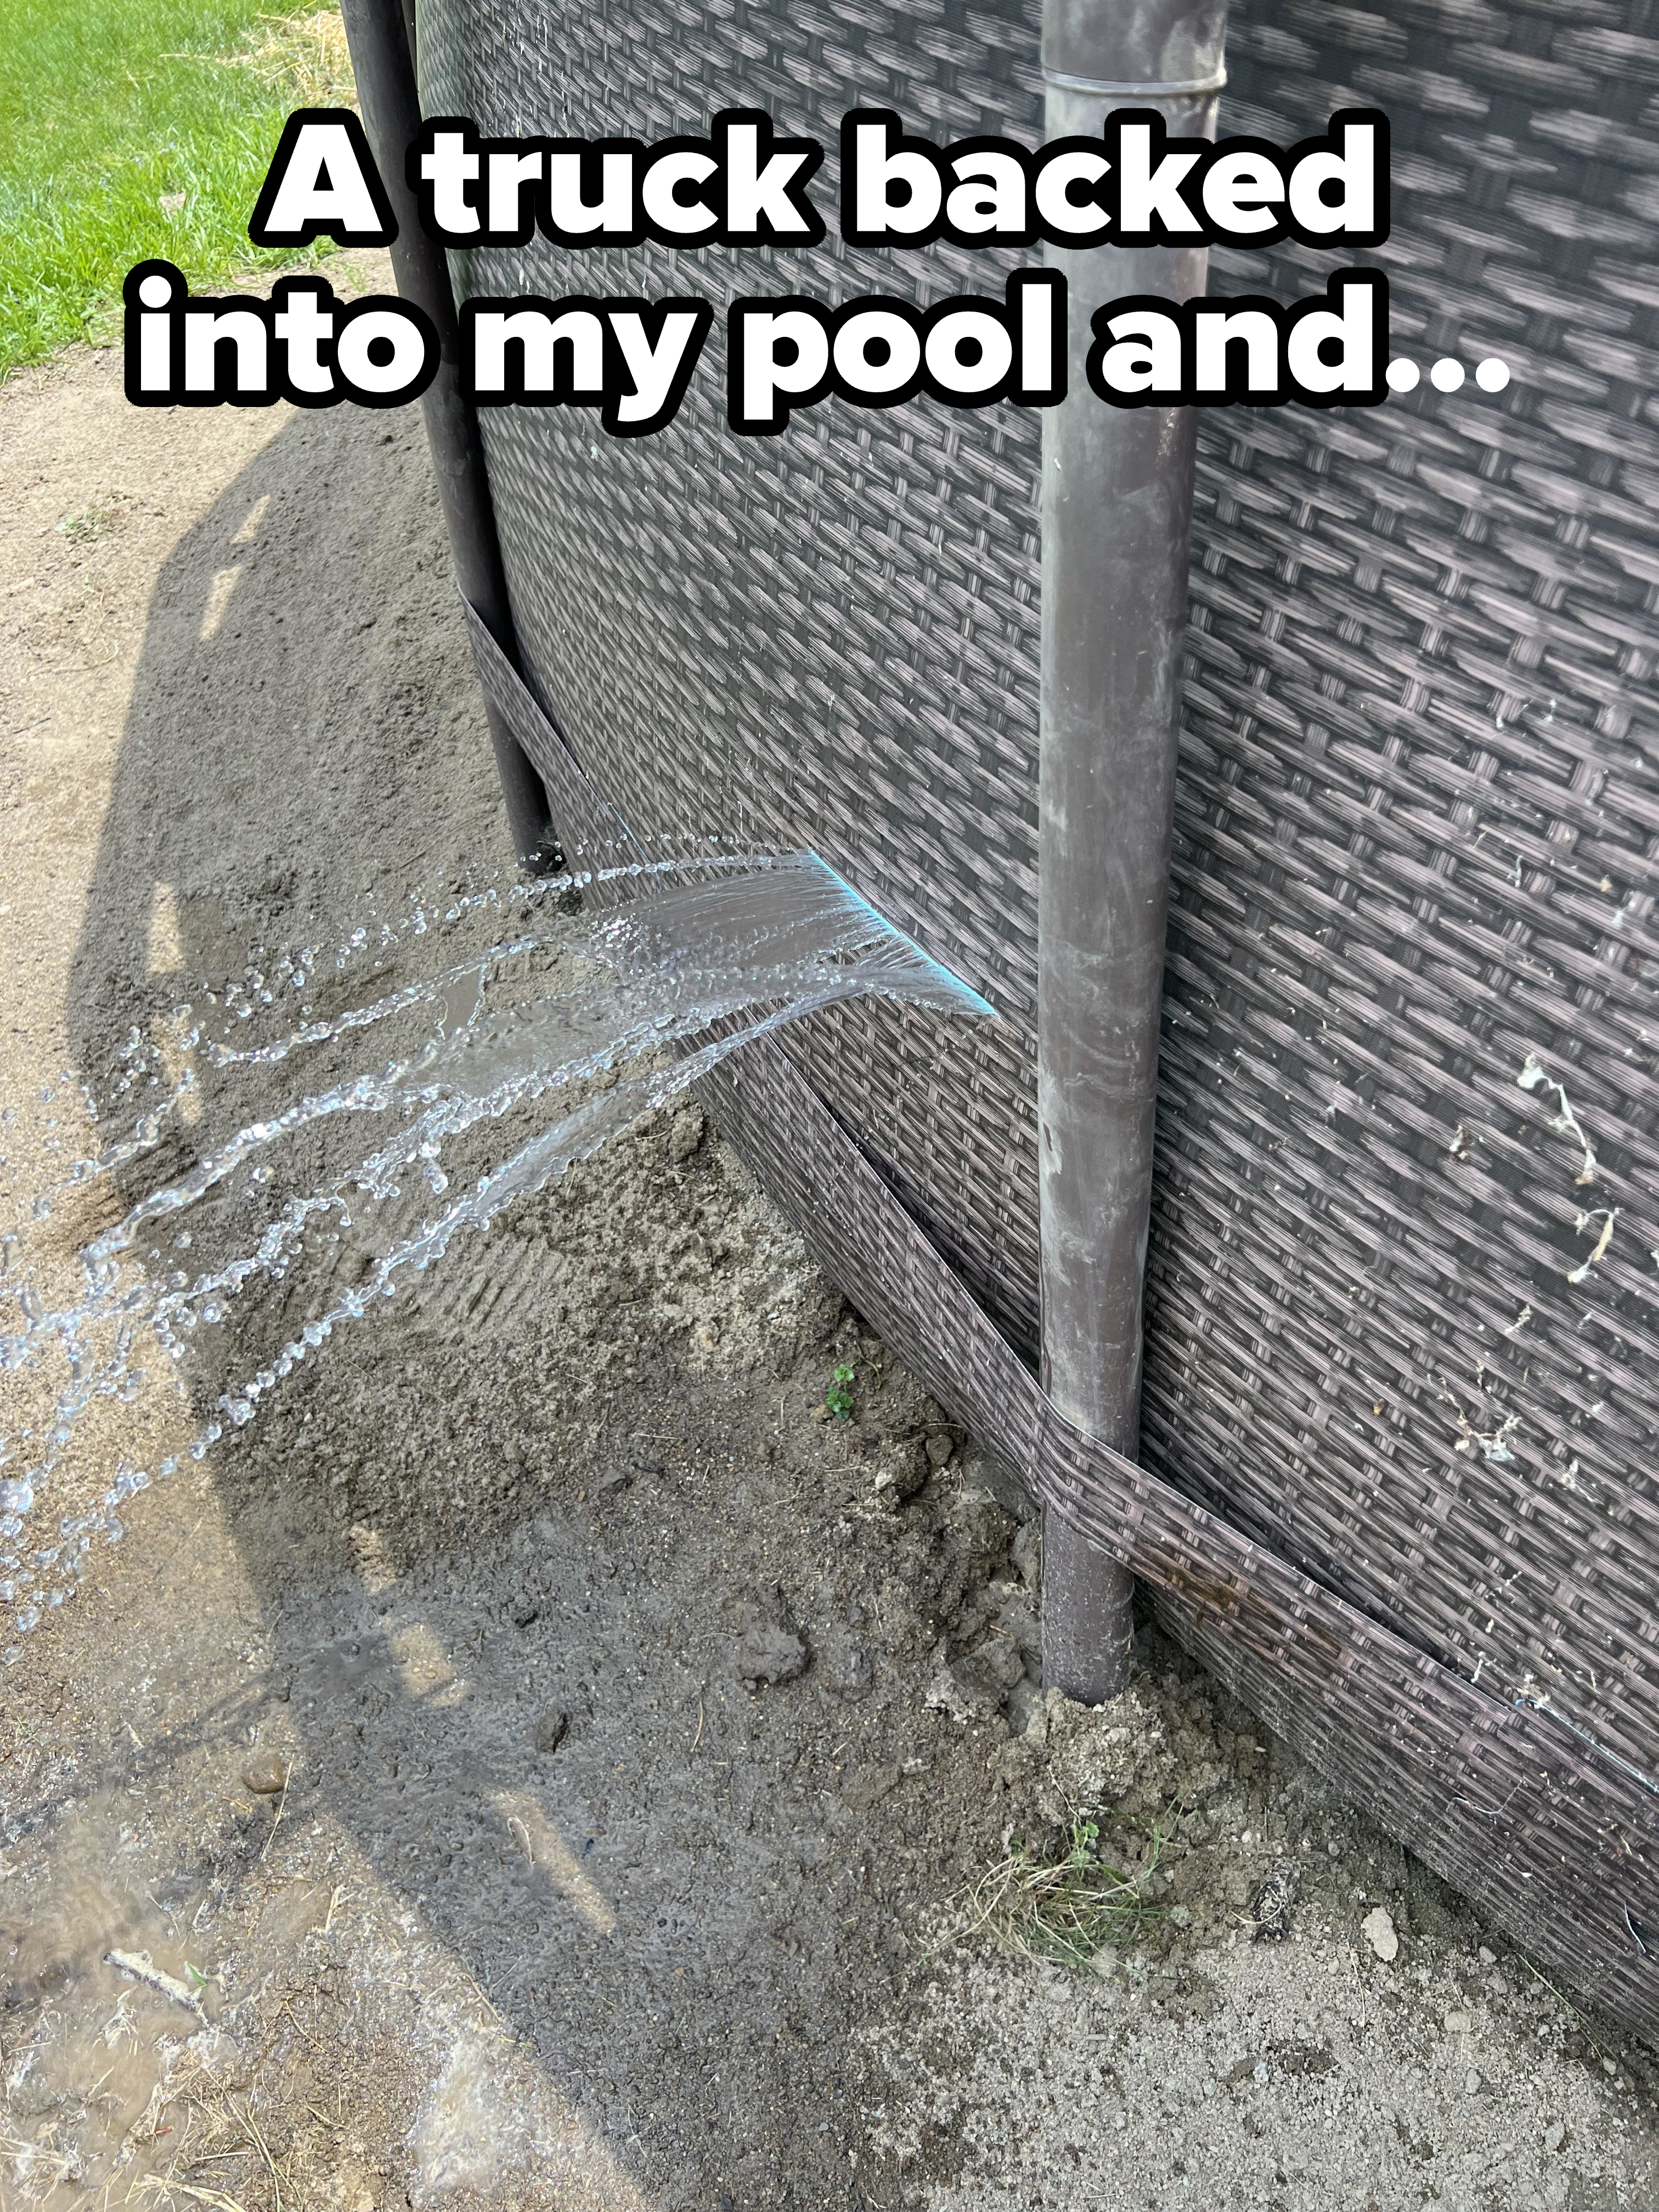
<point>664,989</point>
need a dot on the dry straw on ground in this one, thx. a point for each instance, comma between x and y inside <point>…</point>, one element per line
<point>305,56</point>
<point>1065,1906</point>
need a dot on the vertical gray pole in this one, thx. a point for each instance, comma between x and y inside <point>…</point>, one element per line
<point>377,31</point>
<point>1117,497</point>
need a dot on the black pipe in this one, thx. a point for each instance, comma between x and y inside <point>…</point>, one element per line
<point>377,31</point>
<point>1117,499</point>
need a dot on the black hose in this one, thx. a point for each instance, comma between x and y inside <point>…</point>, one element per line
<point>378,33</point>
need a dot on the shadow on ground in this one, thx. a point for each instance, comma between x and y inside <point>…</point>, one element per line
<point>497,1546</point>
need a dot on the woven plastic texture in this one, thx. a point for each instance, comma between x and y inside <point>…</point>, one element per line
<point>1402,1334</point>
<point>1558,1841</point>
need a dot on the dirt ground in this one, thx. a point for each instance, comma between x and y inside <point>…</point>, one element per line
<point>542,1761</point>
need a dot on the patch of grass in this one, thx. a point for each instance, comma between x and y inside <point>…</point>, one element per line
<point>1065,1906</point>
<point>92,522</point>
<point>137,127</point>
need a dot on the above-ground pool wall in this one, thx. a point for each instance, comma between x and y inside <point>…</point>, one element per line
<point>1402,1330</point>
<point>1415,861</point>
<point>827,639</point>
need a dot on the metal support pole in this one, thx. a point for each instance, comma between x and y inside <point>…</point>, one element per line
<point>1117,497</point>
<point>377,31</point>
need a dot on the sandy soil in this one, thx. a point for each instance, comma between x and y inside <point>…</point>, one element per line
<point>415,1749</point>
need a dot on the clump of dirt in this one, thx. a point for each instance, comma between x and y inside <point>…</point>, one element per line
<point>1077,1761</point>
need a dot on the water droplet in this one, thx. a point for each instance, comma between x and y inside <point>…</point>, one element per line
<point>787,937</point>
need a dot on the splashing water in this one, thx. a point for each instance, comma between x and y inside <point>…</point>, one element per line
<point>740,954</point>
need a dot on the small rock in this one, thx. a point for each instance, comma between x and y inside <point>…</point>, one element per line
<point>686,1134</point>
<point>1555,2136</point>
<point>1104,1962</point>
<point>939,1448</point>
<point>1456,2023</point>
<point>1378,1929</point>
<point>266,1778</point>
<point>1472,2082</point>
<point>552,1729</point>
<point>770,1647</point>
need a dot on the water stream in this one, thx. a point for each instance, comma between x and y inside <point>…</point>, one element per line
<point>522,1058</point>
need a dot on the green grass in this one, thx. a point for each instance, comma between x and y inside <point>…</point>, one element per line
<point>1065,1902</point>
<point>137,127</point>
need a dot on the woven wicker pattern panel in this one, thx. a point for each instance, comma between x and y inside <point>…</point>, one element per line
<point>1420,802</point>
<point>1417,852</point>
<point>1558,1841</point>
<point>828,639</point>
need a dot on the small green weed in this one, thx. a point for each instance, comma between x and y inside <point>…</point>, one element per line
<point>81,529</point>
<point>91,522</point>
<point>839,1397</point>
<point>1065,1906</point>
